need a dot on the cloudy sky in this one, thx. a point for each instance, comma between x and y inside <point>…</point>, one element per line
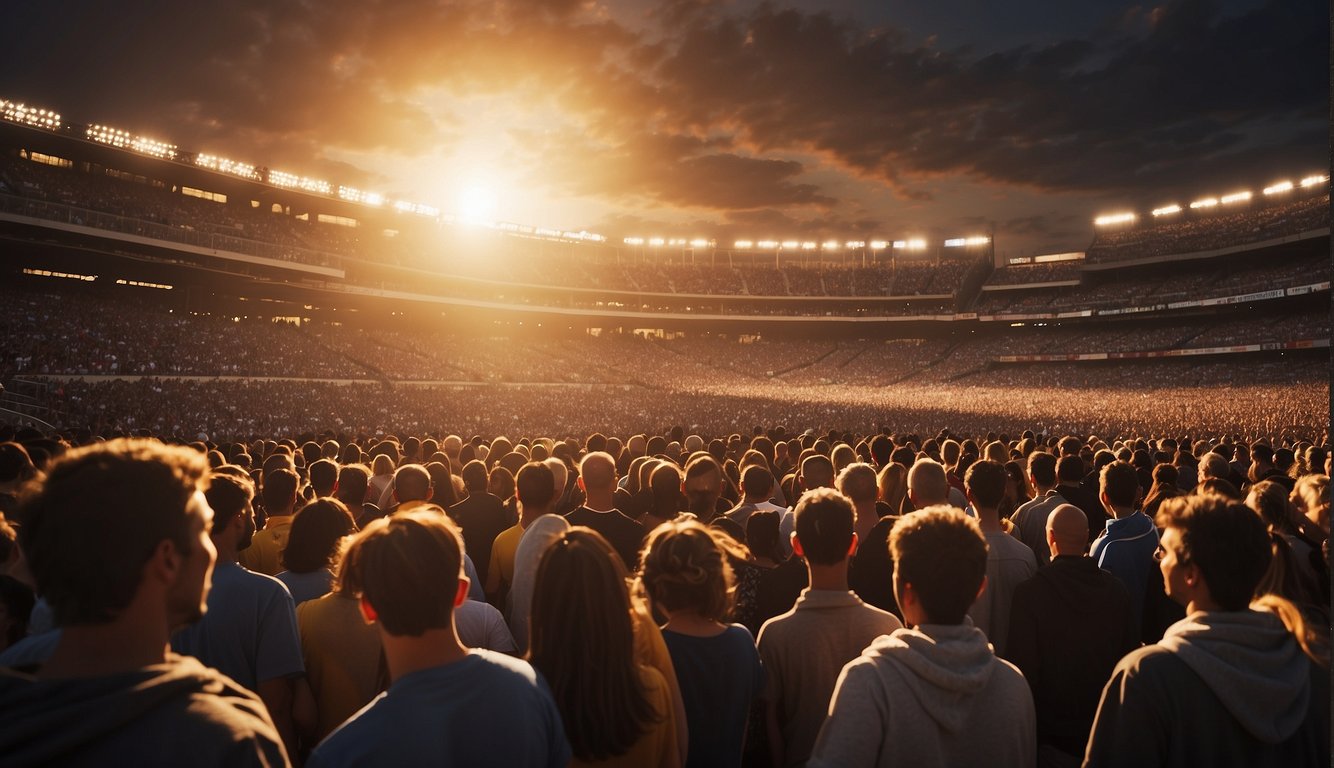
<point>689,118</point>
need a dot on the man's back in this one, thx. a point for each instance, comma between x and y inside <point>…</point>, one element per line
<point>1009,563</point>
<point>1030,521</point>
<point>1220,689</point>
<point>1126,551</point>
<point>1069,626</point>
<point>803,652</point>
<point>486,709</point>
<point>931,696</point>
<point>482,517</point>
<point>176,713</point>
<point>249,632</point>
<point>624,535</point>
<point>342,656</point>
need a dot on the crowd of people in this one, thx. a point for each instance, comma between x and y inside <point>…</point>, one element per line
<point>1254,222</point>
<point>761,598</point>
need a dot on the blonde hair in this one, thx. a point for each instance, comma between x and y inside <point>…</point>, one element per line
<point>685,567</point>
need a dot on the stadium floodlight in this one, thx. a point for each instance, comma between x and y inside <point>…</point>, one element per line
<point>916,244</point>
<point>223,165</point>
<point>809,245</point>
<point>743,244</point>
<point>634,241</point>
<point>976,240</point>
<point>354,195</point>
<point>656,242</point>
<point>1282,186</point>
<point>105,134</point>
<point>1167,210</point>
<point>699,242</point>
<point>879,245</point>
<point>790,244</point>
<point>955,242</point>
<point>1236,197</point>
<point>37,117</point>
<point>1109,219</point>
<point>830,245</point>
<point>899,244</point>
<point>768,245</point>
<point>1208,202</point>
<point>153,148</point>
<point>1311,181</point>
<point>855,244</point>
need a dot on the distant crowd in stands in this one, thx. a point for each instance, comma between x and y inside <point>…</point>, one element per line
<point>761,599</point>
<point>1188,232</point>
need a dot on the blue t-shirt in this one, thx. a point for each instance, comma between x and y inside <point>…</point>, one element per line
<point>720,677</point>
<point>485,709</point>
<point>307,586</point>
<point>249,632</point>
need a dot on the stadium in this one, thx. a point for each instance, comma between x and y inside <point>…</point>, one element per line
<point>151,287</point>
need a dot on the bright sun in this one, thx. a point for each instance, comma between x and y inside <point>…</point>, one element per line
<point>477,202</point>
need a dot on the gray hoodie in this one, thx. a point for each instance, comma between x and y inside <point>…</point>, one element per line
<point>932,695</point>
<point>1220,689</point>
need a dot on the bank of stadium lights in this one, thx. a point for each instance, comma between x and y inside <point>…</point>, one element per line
<point>767,245</point>
<point>153,148</point>
<point>37,117</point>
<point>966,242</point>
<point>1111,219</point>
<point>418,209</point>
<point>915,244</point>
<point>699,242</point>
<point>743,244</point>
<point>791,245</point>
<point>1235,197</point>
<point>830,245</point>
<point>1311,181</point>
<point>105,134</point>
<point>854,244</point>
<point>1208,202</point>
<point>1167,210</point>
<point>353,195</point>
<point>292,181</point>
<point>633,241</point>
<point>229,167</point>
<point>1282,186</point>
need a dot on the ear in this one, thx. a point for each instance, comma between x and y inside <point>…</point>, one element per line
<point>852,548</point>
<point>579,481</point>
<point>164,565</point>
<point>462,593</point>
<point>368,611</point>
<point>796,545</point>
<point>981,589</point>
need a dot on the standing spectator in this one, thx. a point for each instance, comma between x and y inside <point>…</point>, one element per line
<point>312,547</point>
<point>263,552</point>
<point>804,650</point>
<point>1009,561</point>
<point>1234,683</point>
<point>686,574</point>
<point>117,538</point>
<point>934,694</point>
<point>597,479</point>
<point>1127,546</point>
<point>446,705</point>
<point>1069,625</point>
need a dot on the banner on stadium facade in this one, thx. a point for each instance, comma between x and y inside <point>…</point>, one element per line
<point>1162,353</point>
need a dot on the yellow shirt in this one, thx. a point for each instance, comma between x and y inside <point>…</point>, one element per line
<point>264,555</point>
<point>502,558</point>
<point>342,655</point>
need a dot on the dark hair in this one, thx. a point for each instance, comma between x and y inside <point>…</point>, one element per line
<point>474,477</point>
<point>316,531</point>
<point>323,475</point>
<point>757,480</point>
<point>986,481</point>
<point>582,641</point>
<point>1225,540</point>
<point>763,534</point>
<point>353,480</point>
<point>942,553</point>
<point>15,463</point>
<point>228,494</point>
<point>1120,484</point>
<point>18,602</point>
<point>824,526</point>
<point>535,485</point>
<point>279,489</point>
<point>1069,469</point>
<point>1042,468</point>
<point>407,566</point>
<point>98,517</point>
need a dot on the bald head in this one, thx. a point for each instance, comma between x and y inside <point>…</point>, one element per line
<point>1067,531</point>
<point>927,484</point>
<point>597,476</point>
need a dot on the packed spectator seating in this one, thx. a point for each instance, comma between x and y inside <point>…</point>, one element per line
<point>1256,222</point>
<point>1025,274</point>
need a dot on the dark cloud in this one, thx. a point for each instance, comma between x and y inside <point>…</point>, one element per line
<point>726,112</point>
